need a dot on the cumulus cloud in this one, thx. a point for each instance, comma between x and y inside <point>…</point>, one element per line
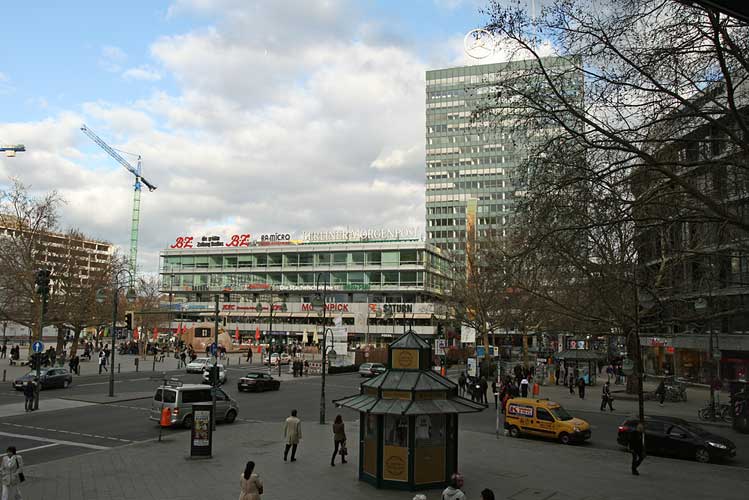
<point>284,119</point>
<point>141,73</point>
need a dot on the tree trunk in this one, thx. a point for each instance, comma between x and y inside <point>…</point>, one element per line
<point>60,339</point>
<point>76,339</point>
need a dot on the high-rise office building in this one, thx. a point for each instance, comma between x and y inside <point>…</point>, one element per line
<point>470,166</point>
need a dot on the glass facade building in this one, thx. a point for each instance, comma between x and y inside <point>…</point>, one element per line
<point>377,288</point>
<point>469,164</point>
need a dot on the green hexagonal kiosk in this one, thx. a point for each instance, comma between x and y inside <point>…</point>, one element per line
<point>409,420</point>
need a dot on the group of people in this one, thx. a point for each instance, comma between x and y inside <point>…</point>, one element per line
<point>300,367</point>
<point>250,484</point>
<point>15,354</point>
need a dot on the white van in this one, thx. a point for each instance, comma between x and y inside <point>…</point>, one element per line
<point>179,399</point>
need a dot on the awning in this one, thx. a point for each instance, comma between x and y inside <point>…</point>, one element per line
<point>372,404</point>
<point>300,315</point>
<point>579,355</point>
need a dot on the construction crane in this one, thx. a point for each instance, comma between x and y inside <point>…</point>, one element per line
<point>10,151</point>
<point>136,171</point>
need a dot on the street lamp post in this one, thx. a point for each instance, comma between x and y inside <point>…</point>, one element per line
<point>117,286</point>
<point>317,303</point>
<point>702,305</point>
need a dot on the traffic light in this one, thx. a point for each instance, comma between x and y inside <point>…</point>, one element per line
<point>439,330</point>
<point>35,361</point>
<point>129,320</point>
<point>42,281</point>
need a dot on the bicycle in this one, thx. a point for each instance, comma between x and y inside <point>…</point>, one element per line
<point>718,412</point>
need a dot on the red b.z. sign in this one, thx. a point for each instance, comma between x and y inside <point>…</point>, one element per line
<point>182,242</point>
<point>239,240</point>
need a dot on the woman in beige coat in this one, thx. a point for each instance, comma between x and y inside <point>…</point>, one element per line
<point>251,487</point>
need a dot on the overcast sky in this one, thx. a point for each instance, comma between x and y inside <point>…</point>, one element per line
<point>251,116</point>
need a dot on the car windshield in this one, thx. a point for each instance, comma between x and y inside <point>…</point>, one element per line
<point>560,413</point>
<point>201,360</point>
<point>252,375</point>
<point>32,373</point>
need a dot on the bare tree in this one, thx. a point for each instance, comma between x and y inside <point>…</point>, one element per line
<point>26,221</point>
<point>148,315</point>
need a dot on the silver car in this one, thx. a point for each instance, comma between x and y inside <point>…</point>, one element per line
<point>197,366</point>
<point>179,400</point>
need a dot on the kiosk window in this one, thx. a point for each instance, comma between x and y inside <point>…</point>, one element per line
<point>544,415</point>
<point>396,431</point>
<point>430,431</point>
<point>371,429</point>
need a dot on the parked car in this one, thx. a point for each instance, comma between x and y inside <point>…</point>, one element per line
<point>258,381</point>
<point>198,366</point>
<point>49,378</point>
<point>273,359</point>
<point>221,374</point>
<point>676,437</point>
<point>180,399</point>
<point>371,369</point>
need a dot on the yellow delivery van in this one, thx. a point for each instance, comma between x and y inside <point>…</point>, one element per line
<point>541,417</point>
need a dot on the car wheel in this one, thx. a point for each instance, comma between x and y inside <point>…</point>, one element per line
<point>187,422</point>
<point>702,455</point>
<point>564,438</point>
<point>230,417</point>
<point>239,389</point>
<point>514,432</point>
<point>66,384</point>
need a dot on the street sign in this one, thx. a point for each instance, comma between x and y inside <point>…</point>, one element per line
<point>37,346</point>
<point>439,347</point>
<point>471,365</point>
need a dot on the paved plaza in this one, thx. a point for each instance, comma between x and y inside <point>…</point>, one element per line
<point>515,469</point>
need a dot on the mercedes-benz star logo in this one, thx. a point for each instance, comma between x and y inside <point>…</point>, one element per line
<point>479,43</point>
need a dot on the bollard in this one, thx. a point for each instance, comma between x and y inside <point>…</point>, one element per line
<point>118,368</point>
<point>153,368</point>
<point>137,365</point>
<point>3,375</point>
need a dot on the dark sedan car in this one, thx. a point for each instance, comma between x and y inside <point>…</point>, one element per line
<point>50,377</point>
<point>258,382</point>
<point>676,437</point>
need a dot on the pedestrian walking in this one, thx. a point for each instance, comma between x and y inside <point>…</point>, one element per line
<point>102,361</point>
<point>556,376</point>
<point>453,491</point>
<point>487,494</point>
<point>249,354</point>
<point>494,391</point>
<point>462,383</point>
<point>581,388</point>
<point>606,397</point>
<point>11,470</point>
<point>483,386</point>
<point>572,384</point>
<point>250,485</point>
<point>637,448</point>
<point>4,351</point>
<point>28,394</point>
<point>524,387</point>
<point>339,440</point>
<point>660,391</point>
<point>292,432</point>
